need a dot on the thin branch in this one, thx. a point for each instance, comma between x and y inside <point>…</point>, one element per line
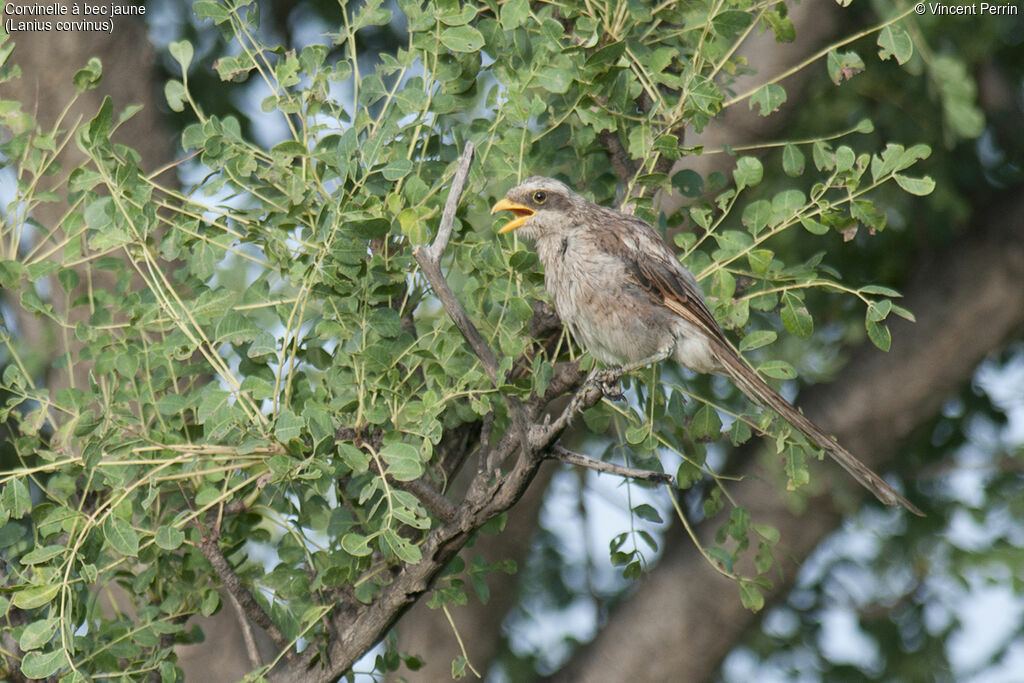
<point>816,56</point>
<point>444,231</point>
<point>580,460</point>
<point>429,259</point>
<point>458,639</point>
<point>231,582</point>
<point>246,626</point>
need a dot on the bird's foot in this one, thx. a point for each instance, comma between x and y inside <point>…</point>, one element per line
<point>607,381</point>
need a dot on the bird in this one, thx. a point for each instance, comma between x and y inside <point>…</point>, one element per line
<point>628,300</point>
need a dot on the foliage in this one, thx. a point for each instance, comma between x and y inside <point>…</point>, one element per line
<point>264,364</point>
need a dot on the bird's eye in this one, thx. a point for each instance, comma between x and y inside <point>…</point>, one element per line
<point>540,197</point>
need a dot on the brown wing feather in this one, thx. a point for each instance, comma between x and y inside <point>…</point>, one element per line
<point>656,270</point>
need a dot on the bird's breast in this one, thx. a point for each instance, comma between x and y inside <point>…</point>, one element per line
<point>600,304</point>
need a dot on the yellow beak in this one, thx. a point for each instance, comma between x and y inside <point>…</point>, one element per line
<point>522,213</point>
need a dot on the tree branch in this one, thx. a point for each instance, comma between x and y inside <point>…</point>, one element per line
<point>211,551</point>
<point>580,460</point>
<point>429,259</point>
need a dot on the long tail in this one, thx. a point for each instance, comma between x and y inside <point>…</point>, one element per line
<point>758,390</point>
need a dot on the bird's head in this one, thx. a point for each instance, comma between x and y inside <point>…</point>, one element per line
<point>541,206</point>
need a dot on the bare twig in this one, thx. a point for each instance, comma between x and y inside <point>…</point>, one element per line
<point>429,259</point>
<point>211,551</point>
<point>458,639</point>
<point>580,460</point>
<point>250,641</point>
<point>543,436</point>
<point>444,231</point>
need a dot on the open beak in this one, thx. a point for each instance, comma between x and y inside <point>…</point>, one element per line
<point>522,213</point>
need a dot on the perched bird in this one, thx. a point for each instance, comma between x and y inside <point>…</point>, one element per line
<point>629,301</point>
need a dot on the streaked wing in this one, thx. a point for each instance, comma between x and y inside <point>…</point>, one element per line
<point>656,270</point>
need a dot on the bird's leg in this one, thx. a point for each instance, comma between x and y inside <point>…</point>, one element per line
<point>607,379</point>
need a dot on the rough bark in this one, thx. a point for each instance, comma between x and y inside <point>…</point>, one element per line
<point>685,617</point>
<point>426,631</point>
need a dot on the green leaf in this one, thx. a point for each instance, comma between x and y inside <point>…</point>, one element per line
<point>88,77</point>
<point>768,98</point>
<point>750,596</point>
<point>756,215</point>
<point>915,186</point>
<point>397,169</point>
<point>777,369</point>
<point>814,227</point>
<point>206,9</point>
<point>842,66</point>
<point>786,204</point>
<point>689,183</point>
<point>37,634</point>
<point>824,159</point>
<point>121,536</point>
<point>356,544</point>
<point>706,425</point>
<point>721,556</point>
<point>353,457</point>
<point>864,126</point>
<point>42,664</point>
<point>879,310</point>
<point>748,173</point>
<point>169,537</point>
<point>10,533</point>
<point>766,531</point>
<point>462,39</point>
<point>878,289</point>
<point>558,80</point>
<point>40,555</point>
<point>15,499</point>
<point>182,52</point>
<point>99,127</point>
<point>175,94</point>
<point>796,468</point>
<point>879,334</point>
<point>845,158</point>
<point>35,596</point>
<point>402,548</point>
<point>648,512</point>
<point>99,213</point>
<point>757,339</point>
<point>895,42</point>
<point>288,426</point>
<point>792,160</point>
<point>739,432</point>
<point>514,13</point>
<point>723,285</point>
<point>795,316</point>
<point>403,461</point>
<point>760,260</point>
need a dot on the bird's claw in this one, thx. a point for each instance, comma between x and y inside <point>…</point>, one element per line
<point>607,381</point>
